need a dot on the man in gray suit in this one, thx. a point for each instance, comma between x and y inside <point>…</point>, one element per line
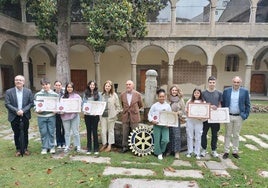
<point>18,101</point>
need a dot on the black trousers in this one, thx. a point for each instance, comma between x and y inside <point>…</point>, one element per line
<point>59,131</point>
<point>92,130</point>
<point>215,127</point>
<point>16,129</point>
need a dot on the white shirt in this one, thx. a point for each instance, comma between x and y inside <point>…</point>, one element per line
<point>19,94</point>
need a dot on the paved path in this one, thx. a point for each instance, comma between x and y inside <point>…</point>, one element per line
<point>217,168</point>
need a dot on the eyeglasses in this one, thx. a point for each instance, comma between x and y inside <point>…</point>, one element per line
<point>236,82</point>
<point>18,80</point>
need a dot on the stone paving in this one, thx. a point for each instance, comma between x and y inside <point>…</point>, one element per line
<point>218,168</point>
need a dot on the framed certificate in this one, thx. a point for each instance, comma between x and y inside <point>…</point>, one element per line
<point>167,118</point>
<point>221,115</point>
<point>199,110</point>
<point>69,105</point>
<point>46,103</point>
<point>94,107</point>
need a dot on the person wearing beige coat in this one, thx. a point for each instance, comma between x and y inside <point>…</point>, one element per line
<point>109,116</point>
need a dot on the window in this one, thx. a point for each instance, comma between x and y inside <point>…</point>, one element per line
<point>232,63</point>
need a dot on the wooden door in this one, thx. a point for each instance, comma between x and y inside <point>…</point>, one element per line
<point>79,78</point>
<point>257,84</point>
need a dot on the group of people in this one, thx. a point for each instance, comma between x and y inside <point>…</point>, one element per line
<point>167,140</point>
<point>19,100</point>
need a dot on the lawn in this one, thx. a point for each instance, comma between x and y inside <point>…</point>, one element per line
<point>39,170</point>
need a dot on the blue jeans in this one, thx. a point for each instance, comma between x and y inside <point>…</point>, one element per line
<point>72,125</point>
<point>47,131</point>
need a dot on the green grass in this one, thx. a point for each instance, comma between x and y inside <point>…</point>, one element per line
<point>34,169</point>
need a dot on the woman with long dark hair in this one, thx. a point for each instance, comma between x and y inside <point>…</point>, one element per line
<point>194,126</point>
<point>71,121</point>
<point>92,94</point>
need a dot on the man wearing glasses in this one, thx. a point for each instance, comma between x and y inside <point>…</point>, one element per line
<point>18,101</point>
<point>236,98</point>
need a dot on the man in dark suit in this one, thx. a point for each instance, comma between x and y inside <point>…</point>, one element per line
<point>131,104</point>
<point>236,98</point>
<point>18,101</point>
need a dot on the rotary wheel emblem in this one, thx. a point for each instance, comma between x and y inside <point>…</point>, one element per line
<point>141,141</point>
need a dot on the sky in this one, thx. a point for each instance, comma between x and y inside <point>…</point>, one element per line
<point>185,9</point>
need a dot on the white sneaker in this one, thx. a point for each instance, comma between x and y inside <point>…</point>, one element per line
<point>66,150</point>
<point>44,151</point>
<point>59,147</point>
<point>214,154</point>
<point>78,149</point>
<point>203,153</point>
<point>177,155</point>
<point>88,153</point>
<point>63,146</point>
<point>160,157</point>
<point>198,157</point>
<point>52,150</point>
<point>96,153</point>
<point>188,155</point>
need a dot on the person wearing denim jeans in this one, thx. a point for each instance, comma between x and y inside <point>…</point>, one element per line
<point>71,121</point>
<point>46,120</point>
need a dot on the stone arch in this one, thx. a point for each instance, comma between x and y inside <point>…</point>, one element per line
<point>259,73</point>
<point>240,45</point>
<point>190,59</point>
<point>152,56</point>
<point>41,59</point>
<point>81,62</point>
<point>115,65</point>
<point>231,60</point>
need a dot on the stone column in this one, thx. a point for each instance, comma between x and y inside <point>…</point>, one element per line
<point>97,68</point>
<point>253,10</point>
<point>173,19</point>
<point>26,72</point>
<point>134,73</point>
<point>170,76</point>
<point>150,88</point>
<point>23,11</point>
<point>247,76</point>
<point>208,73</point>
<point>212,17</point>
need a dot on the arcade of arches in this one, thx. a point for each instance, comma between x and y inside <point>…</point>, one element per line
<point>182,53</point>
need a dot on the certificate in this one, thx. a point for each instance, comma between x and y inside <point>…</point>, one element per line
<point>94,107</point>
<point>69,105</point>
<point>167,118</point>
<point>221,115</point>
<point>46,103</point>
<point>199,110</point>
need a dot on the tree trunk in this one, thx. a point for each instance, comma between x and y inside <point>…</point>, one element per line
<point>64,34</point>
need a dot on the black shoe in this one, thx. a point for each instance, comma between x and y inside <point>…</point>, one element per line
<point>235,155</point>
<point>124,150</point>
<point>225,155</point>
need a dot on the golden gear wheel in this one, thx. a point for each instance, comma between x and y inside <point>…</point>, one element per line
<point>141,141</point>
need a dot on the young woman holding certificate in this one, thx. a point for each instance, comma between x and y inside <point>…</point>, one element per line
<point>194,127</point>
<point>71,121</point>
<point>92,94</point>
<point>161,133</point>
